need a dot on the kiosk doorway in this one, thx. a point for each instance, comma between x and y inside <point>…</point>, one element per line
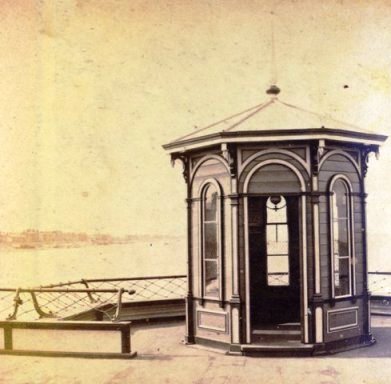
<point>274,248</point>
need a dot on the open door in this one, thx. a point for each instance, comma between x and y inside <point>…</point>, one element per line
<point>274,240</point>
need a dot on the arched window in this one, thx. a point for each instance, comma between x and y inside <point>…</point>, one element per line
<point>211,248</point>
<point>341,237</point>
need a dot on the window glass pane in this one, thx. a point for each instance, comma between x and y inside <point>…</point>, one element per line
<point>282,233</point>
<point>277,242</point>
<point>278,264</point>
<point>278,279</point>
<point>271,234</point>
<point>343,234</point>
<point>278,270</point>
<point>210,240</point>
<point>341,238</point>
<point>341,199</point>
<point>210,204</point>
<point>336,272</point>
<point>211,278</point>
<point>341,276</point>
<point>277,239</point>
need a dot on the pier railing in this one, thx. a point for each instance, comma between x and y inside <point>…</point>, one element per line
<point>108,296</point>
<point>380,287</point>
<point>64,300</point>
<point>380,283</point>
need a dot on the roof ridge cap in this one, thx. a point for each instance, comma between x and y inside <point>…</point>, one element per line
<point>251,114</point>
<point>218,122</point>
<point>324,115</point>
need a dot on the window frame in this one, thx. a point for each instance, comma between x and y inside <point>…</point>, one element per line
<point>219,218</point>
<point>350,236</point>
<point>268,254</point>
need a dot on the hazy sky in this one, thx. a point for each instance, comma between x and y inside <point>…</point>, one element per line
<point>90,90</point>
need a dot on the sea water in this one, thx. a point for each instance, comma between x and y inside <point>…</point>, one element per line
<point>41,266</point>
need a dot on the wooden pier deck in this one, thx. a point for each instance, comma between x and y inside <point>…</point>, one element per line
<point>162,358</point>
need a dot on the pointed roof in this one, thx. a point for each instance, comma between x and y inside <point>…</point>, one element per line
<point>270,121</point>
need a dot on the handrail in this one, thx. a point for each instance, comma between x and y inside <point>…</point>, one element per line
<point>83,281</point>
<point>137,278</point>
<point>66,290</point>
<point>42,314</point>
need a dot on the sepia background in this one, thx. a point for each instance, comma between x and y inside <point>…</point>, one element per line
<point>91,89</point>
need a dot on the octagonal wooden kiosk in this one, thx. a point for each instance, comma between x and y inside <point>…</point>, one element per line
<point>277,255</point>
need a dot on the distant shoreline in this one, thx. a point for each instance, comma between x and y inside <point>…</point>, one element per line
<point>85,244</point>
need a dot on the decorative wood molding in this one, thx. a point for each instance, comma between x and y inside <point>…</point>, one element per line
<point>315,198</point>
<point>343,153</point>
<point>366,151</point>
<point>316,152</point>
<point>273,135</point>
<point>229,153</point>
<point>185,163</point>
<point>274,161</point>
<point>319,300</point>
<point>216,315</point>
<point>202,300</point>
<point>336,312</point>
<point>316,194</point>
<point>235,301</point>
<point>206,158</point>
<point>234,198</point>
<point>358,194</point>
<point>304,163</point>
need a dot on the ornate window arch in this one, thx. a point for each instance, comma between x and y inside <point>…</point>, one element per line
<point>211,240</point>
<point>341,236</point>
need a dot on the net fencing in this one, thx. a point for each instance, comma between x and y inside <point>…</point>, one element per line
<point>64,300</point>
<point>380,283</point>
<point>105,296</point>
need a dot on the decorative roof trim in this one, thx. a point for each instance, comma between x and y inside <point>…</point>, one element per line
<point>273,135</point>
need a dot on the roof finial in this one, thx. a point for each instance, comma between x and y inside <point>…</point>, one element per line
<point>273,90</point>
